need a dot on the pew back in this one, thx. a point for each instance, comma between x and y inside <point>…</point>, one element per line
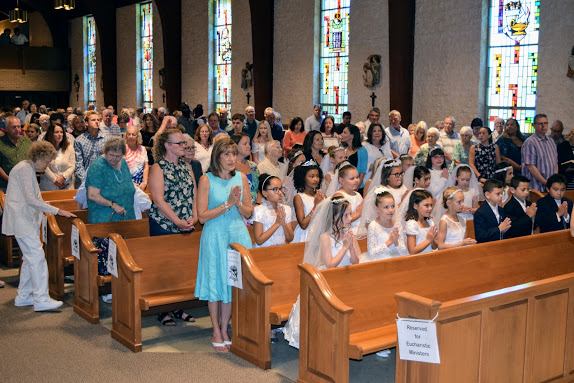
<point>58,194</point>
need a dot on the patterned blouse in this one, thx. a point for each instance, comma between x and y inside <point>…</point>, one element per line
<point>485,160</point>
<point>177,193</point>
<point>459,154</point>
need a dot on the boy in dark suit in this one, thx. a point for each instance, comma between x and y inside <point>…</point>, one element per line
<point>490,222</point>
<point>520,211</point>
<point>553,209</point>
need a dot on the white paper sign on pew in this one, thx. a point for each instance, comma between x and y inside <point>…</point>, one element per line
<point>234,269</point>
<point>417,340</point>
<point>112,259</point>
<point>75,242</point>
<point>44,228</point>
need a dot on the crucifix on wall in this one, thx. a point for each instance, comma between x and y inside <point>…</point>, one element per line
<point>373,96</point>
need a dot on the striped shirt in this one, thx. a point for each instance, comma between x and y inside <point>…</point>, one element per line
<point>542,153</point>
<point>136,160</point>
<point>87,149</point>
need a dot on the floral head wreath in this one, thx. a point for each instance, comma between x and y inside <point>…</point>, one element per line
<point>297,154</point>
<point>393,164</point>
<point>344,163</point>
<point>309,163</point>
<point>339,200</point>
<point>380,190</point>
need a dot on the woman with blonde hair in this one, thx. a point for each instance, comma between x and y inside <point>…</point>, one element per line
<point>136,157</point>
<point>262,136</point>
<point>418,138</point>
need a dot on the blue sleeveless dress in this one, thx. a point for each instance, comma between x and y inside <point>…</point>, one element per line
<point>217,234</point>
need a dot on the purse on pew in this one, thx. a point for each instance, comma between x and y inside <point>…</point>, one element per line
<point>103,245</point>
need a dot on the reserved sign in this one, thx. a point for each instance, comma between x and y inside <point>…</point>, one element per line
<point>417,340</point>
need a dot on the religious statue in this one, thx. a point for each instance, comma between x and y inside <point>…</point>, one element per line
<point>571,65</point>
<point>77,86</point>
<point>162,78</point>
<point>372,69</point>
<point>247,76</point>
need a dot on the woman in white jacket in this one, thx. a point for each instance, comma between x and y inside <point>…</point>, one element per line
<point>59,175</point>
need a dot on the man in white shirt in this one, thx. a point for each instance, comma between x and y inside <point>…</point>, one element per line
<point>314,121</point>
<point>448,138</point>
<point>23,112</point>
<point>498,128</point>
<point>374,115</point>
<point>18,38</point>
<point>107,125</point>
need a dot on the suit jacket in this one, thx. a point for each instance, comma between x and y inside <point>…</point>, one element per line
<point>546,218</point>
<point>486,225</point>
<point>521,222</point>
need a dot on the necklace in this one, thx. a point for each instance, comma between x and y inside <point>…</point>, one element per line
<point>120,180</point>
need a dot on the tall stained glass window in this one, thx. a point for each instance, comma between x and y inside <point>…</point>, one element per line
<point>146,23</point>
<point>222,68</point>
<point>334,59</point>
<point>90,59</point>
<point>513,61</point>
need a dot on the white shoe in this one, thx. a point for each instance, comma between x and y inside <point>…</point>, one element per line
<point>107,298</point>
<point>384,354</point>
<point>21,302</point>
<point>50,304</point>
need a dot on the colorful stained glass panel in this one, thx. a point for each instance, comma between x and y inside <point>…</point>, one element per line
<point>513,61</point>
<point>334,56</point>
<point>90,57</point>
<point>222,65</point>
<point>146,22</point>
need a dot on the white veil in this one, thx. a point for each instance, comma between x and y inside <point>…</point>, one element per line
<point>473,181</point>
<point>369,211</point>
<point>335,185</point>
<point>409,178</point>
<point>322,222</point>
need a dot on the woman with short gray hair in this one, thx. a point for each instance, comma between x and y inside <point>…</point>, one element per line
<point>109,185</point>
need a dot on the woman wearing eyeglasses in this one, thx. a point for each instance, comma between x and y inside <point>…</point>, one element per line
<point>172,186</point>
<point>109,185</point>
<point>189,157</point>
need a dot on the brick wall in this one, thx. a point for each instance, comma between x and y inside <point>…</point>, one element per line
<point>36,80</point>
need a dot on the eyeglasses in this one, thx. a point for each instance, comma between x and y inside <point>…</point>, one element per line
<point>180,143</point>
<point>281,189</point>
<point>398,174</point>
<point>190,148</point>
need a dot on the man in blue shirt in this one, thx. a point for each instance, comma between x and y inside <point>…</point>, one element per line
<point>398,136</point>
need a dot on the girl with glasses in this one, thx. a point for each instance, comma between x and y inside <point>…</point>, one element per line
<point>272,220</point>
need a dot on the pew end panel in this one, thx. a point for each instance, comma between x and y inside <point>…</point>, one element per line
<point>58,250</point>
<point>148,280</point>
<point>324,330</point>
<point>126,290</point>
<point>519,333</point>
<point>87,280</point>
<point>251,306</point>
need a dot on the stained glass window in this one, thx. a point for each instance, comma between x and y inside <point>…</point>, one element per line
<point>513,61</point>
<point>90,57</point>
<point>334,56</point>
<point>222,65</point>
<point>146,55</point>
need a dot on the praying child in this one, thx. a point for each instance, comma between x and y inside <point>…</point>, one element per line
<point>490,221</point>
<point>553,209</point>
<point>520,211</point>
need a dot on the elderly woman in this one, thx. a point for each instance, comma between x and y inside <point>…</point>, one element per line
<point>432,139</point>
<point>136,157</point>
<point>59,175</point>
<point>565,155</point>
<point>510,145</point>
<point>173,193</point>
<point>223,200</point>
<point>189,157</point>
<point>462,148</point>
<point>418,138</point>
<point>204,145</point>
<point>109,185</point>
<point>271,164</point>
<point>22,219</point>
<point>44,121</point>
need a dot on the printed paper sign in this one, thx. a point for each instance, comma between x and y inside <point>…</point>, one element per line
<point>44,228</point>
<point>417,340</point>
<point>112,258</point>
<point>75,241</point>
<point>234,269</point>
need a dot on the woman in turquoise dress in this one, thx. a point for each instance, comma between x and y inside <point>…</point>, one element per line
<point>109,185</point>
<point>223,199</point>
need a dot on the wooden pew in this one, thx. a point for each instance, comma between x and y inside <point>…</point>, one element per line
<point>65,204</point>
<point>8,245</point>
<point>348,312</point>
<point>58,195</point>
<point>86,278</point>
<point>58,250</point>
<point>523,333</point>
<point>152,272</point>
<point>270,288</point>
<point>535,195</point>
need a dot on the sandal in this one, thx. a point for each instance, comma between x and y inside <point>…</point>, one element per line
<point>2,284</point>
<point>180,314</point>
<point>166,319</point>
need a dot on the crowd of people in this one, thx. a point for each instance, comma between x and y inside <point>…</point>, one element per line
<point>406,190</point>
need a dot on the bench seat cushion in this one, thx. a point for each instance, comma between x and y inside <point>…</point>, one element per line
<point>280,313</point>
<point>369,341</point>
<point>166,297</point>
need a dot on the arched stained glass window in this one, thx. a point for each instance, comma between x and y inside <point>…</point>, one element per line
<point>146,23</point>
<point>90,59</point>
<point>513,61</point>
<point>222,65</point>
<point>334,56</point>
